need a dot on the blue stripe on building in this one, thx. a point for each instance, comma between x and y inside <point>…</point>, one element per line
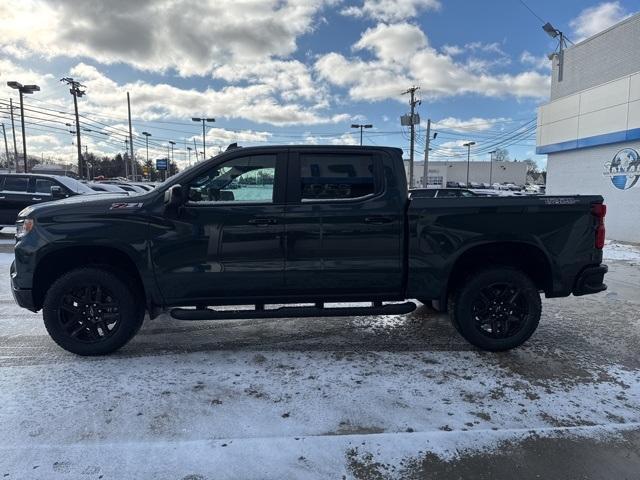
<point>594,141</point>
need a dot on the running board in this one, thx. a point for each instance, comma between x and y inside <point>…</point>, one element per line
<point>292,312</point>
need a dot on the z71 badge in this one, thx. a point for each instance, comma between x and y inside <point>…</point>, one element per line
<point>118,206</point>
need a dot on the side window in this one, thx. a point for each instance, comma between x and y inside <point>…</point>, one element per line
<point>336,177</point>
<point>16,184</point>
<point>43,185</point>
<point>245,179</point>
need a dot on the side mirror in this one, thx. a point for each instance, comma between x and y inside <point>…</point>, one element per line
<point>173,197</point>
<point>56,192</point>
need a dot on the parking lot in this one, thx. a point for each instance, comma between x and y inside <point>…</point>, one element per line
<point>372,397</point>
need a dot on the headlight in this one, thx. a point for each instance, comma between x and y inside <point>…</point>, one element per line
<point>24,226</point>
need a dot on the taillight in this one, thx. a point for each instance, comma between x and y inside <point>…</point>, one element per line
<point>599,210</point>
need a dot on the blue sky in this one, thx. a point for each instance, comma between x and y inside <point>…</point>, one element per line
<point>295,71</point>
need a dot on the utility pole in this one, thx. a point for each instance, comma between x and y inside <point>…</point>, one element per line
<point>126,150</point>
<point>425,174</point>
<point>6,148</point>
<point>491,168</point>
<point>468,145</point>
<point>133,162</point>
<point>195,148</point>
<point>412,123</point>
<point>189,154</point>
<point>76,92</point>
<point>13,132</point>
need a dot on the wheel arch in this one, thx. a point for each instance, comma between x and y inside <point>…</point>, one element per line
<point>527,257</point>
<point>56,263</point>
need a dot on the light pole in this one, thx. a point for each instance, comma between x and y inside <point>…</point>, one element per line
<point>147,135</point>
<point>204,145</point>
<point>189,153</point>
<point>23,89</point>
<point>172,143</point>
<point>491,168</point>
<point>361,127</point>
<point>468,145</point>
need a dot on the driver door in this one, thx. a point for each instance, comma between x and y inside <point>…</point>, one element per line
<point>227,242</point>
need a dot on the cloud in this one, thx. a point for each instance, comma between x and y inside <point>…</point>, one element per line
<point>396,65</point>
<point>539,63</point>
<point>191,36</point>
<point>391,10</point>
<point>474,123</point>
<point>259,103</point>
<point>595,19</point>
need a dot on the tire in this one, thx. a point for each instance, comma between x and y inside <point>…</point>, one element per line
<point>496,309</point>
<point>92,311</point>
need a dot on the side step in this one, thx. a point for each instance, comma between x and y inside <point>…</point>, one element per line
<point>292,312</point>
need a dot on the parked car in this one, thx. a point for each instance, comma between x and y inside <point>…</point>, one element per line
<point>127,187</point>
<point>306,225</point>
<point>106,187</point>
<point>441,192</point>
<point>19,190</point>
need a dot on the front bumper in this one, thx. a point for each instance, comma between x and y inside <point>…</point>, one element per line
<point>22,296</point>
<point>590,280</point>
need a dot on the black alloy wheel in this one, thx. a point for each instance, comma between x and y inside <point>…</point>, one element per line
<point>93,310</point>
<point>496,309</point>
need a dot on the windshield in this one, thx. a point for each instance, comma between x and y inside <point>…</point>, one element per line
<point>76,186</point>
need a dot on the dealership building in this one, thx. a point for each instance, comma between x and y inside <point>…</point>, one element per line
<point>442,172</point>
<point>590,129</point>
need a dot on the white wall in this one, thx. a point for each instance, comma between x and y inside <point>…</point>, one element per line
<point>584,172</point>
<point>608,108</point>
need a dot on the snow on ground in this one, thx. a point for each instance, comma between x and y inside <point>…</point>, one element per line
<point>368,397</point>
<point>621,251</point>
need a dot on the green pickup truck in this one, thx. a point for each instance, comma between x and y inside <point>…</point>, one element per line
<point>290,229</point>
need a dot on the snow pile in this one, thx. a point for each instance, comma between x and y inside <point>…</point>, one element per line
<point>621,251</point>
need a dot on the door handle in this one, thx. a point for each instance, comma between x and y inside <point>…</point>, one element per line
<point>378,220</point>
<point>36,198</point>
<point>263,221</point>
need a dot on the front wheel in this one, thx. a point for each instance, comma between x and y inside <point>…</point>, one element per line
<point>92,311</point>
<point>496,309</point>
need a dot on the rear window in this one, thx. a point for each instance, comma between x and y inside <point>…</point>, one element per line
<point>333,177</point>
<point>16,184</point>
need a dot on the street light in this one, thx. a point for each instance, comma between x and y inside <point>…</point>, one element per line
<point>172,143</point>
<point>468,145</point>
<point>23,89</point>
<point>189,152</point>
<point>204,145</point>
<point>361,127</point>
<point>147,135</point>
<point>491,168</point>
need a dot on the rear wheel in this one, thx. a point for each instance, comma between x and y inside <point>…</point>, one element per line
<point>496,309</point>
<point>92,311</point>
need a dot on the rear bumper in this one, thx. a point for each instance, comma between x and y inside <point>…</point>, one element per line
<point>22,296</point>
<point>590,280</point>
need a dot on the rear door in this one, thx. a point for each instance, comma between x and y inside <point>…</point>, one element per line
<point>40,189</point>
<point>344,224</point>
<point>14,197</point>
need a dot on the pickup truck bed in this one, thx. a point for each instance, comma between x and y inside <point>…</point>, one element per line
<point>301,225</point>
